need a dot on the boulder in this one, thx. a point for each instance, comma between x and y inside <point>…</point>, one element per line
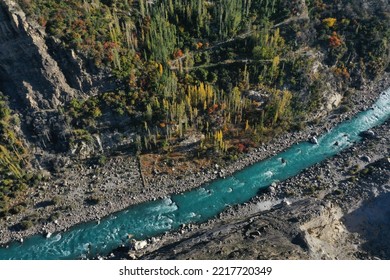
<point>313,140</point>
<point>365,158</point>
<point>139,245</point>
<point>368,134</point>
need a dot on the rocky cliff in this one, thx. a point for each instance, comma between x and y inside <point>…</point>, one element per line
<point>38,76</point>
<point>28,72</point>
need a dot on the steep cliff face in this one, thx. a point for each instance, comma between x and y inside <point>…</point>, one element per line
<point>28,72</point>
<point>38,77</point>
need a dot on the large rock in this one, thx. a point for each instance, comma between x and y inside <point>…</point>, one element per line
<point>139,245</point>
<point>368,134</point>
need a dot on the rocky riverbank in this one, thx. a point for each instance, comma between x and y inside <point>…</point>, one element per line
<point>337,209</point>
<point>64,200</point>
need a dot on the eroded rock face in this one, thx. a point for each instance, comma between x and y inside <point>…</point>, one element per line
<point>27,72</point>
<point>39,77</point>
<point>326,236</point>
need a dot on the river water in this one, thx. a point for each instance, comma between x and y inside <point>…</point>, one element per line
<point>153,218</point>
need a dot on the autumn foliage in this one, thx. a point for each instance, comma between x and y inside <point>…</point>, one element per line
<point>329,22</point>
<point>335,40</point>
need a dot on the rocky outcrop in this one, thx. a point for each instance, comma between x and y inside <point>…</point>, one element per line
<point>309,229</point>
<point>27,72</point>
<point>39,76</point>
<point>326,236</point>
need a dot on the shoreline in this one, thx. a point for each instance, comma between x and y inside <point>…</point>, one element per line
<point>339,219</point>
<point>114,188</point>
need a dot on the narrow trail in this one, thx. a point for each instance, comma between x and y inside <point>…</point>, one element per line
<point>304,15</point>
<point>225,62</point>
<point>177,63</point>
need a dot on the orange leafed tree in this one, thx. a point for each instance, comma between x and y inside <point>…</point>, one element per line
<point>335,40</point>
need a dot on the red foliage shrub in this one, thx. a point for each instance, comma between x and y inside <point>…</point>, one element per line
<point>335,40</point>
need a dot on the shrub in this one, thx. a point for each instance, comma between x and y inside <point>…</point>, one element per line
<point>102,160</point>
<point>16,209</point>
<point>92,200</point>
<point>329,22</point>
<point>26,224</point>
<point>56,200</point>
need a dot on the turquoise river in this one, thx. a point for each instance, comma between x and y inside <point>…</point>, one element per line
<point>154,218</point>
